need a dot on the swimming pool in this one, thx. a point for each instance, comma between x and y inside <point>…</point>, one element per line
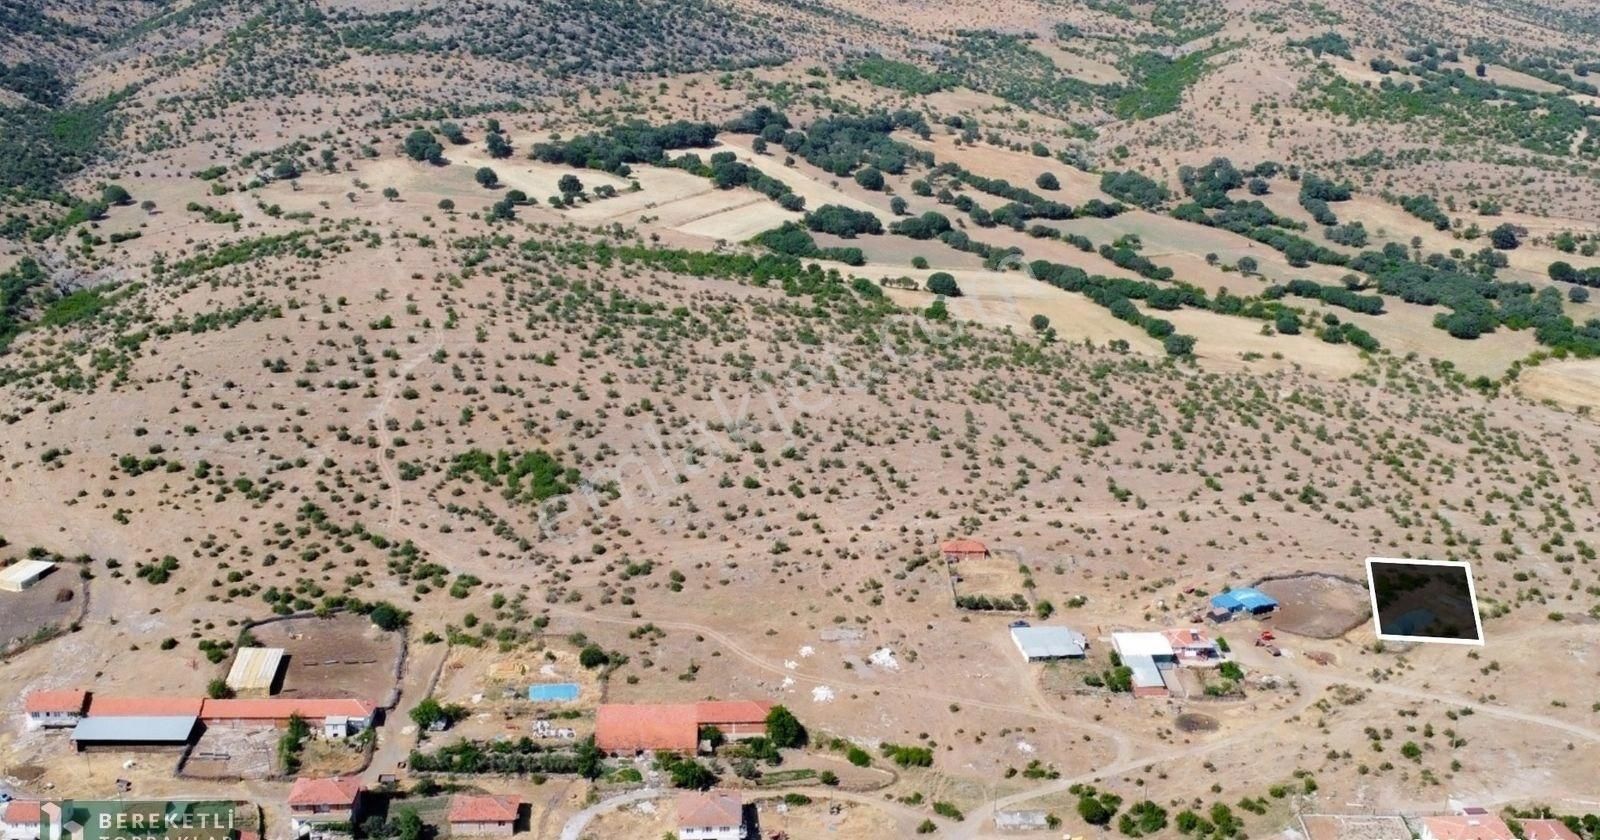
<point>553,691</point>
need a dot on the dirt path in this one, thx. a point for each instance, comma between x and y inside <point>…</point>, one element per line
<point>1121,739</point>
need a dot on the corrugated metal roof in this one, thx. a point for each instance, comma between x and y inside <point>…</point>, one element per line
<point>1048,642</point>
<point>255,668</point>
<point>172,730</point>
<point>1243,599</point>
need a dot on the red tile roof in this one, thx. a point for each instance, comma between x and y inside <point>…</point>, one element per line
<point>67,700</point>
<point>484,809</point>
<point>965,545</point>
<point>336,792</point>
<point>620,727</point>
<point>22,812</point>
<point>283,708</point>
<point>714,712</point>
<point>144,706</point>
<point>1472,827</point>
<point>1547,830</point>
<point>710,810</point>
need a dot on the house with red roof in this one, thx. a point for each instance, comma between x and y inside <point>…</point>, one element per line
<point>56,708</point>
<point>714,815</point>
<point>1466,827</point>
<point>484,815</point>
<point>631,728</point>
<point>313,803</point>
<point>19,820</point>
<point>963,549</point>
<point>1547,830</point>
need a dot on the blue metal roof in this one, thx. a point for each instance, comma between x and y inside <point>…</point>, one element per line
<point>166,730</point>
<point>1243,599</point>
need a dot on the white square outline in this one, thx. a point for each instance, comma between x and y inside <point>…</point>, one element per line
<point>1472,594</point>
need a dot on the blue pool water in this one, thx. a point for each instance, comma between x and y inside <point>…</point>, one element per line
<point>553,691</point>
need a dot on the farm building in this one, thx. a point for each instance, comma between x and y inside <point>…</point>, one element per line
<point>714,815</point>
<point>1147,655</point>
<point>1547,830</point>
<point>962,549</point>
<point>23,574</point>
<point>134,733</point>
<point>356,714</point>
<point>1193,646</point>
<point>19,820</point>
<point>144,706</point>
<point>1043,644</point>
<point>255,670</point>
<point>317,802</point>
<point>484,815</point>
<point>736,719</point>
<point>56,708</point>
<point>621,728</point>
<point>1237,602</point>
<point>1466,827</point>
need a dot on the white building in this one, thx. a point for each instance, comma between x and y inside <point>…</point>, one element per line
<point>23,574</point>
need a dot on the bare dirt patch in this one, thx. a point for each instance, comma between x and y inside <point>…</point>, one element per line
<point>998,578</point>
<point>234,752</point>
<point>53,602</point>
<point>1318,606</point>
<point>338,657</point>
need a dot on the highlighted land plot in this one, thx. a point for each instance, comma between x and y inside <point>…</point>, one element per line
<point>1424,601</point>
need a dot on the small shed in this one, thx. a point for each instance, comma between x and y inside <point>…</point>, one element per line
<point>964,549</point>
<point>255,670</point>
<point>22,575</point>
<point>1043,644</point>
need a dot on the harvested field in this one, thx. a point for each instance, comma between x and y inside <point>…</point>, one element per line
<point>338,657</point>
<point>1318,606</point>
<point>55,601</point>
<point>1572,382</point>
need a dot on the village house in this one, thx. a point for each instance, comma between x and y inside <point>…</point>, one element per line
<point>314,804</point>
<point>1466,827</point>
<point>19,820</point>
<point>55,708</point>
<point>964,549</point>
<point>714,815</point>
<point>484,815</point>
<point>1193,646</point>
